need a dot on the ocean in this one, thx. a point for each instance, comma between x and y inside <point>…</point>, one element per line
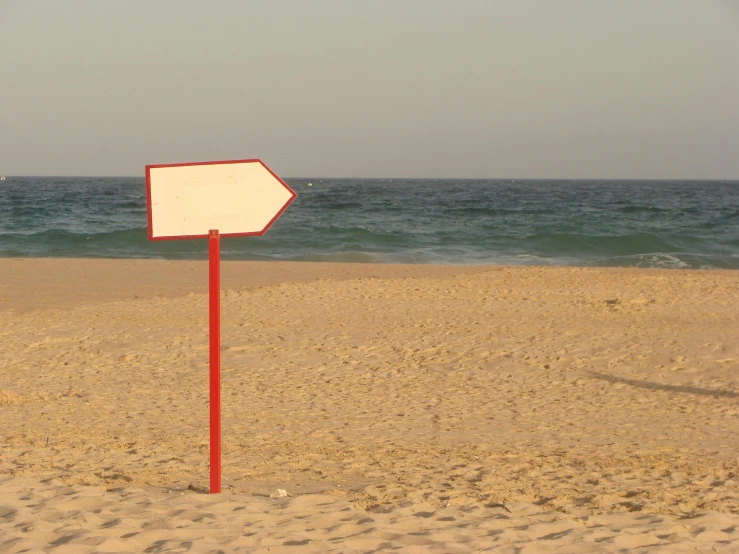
<point>666,224</point>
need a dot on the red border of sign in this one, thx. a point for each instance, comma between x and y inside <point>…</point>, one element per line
<point>293,196</point>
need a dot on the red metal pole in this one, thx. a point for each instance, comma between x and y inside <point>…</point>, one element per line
<point>214,256</point>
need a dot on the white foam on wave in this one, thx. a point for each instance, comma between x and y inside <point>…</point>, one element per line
<point>661,259</point>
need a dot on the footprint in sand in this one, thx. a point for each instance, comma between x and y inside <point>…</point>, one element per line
<point>9,397</point>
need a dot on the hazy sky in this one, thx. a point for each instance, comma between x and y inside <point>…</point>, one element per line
<point>373,88</point>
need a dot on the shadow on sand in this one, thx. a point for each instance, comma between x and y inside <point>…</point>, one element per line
<point>661,386</point>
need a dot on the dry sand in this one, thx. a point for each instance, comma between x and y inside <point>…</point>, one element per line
<point>403,408</point>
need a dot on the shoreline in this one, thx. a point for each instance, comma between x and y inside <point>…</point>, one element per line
<point>63,283</point>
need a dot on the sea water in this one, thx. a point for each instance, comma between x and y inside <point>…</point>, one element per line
<point>671,224</point>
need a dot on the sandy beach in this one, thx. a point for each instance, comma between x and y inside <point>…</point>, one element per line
<point>402,408</point>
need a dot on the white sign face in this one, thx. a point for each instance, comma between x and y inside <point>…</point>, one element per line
<point>237,198</point>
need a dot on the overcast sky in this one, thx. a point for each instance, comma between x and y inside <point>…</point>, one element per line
<point>373,88</point>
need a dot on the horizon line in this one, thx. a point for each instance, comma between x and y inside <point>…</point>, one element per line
<point>682,179</point>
